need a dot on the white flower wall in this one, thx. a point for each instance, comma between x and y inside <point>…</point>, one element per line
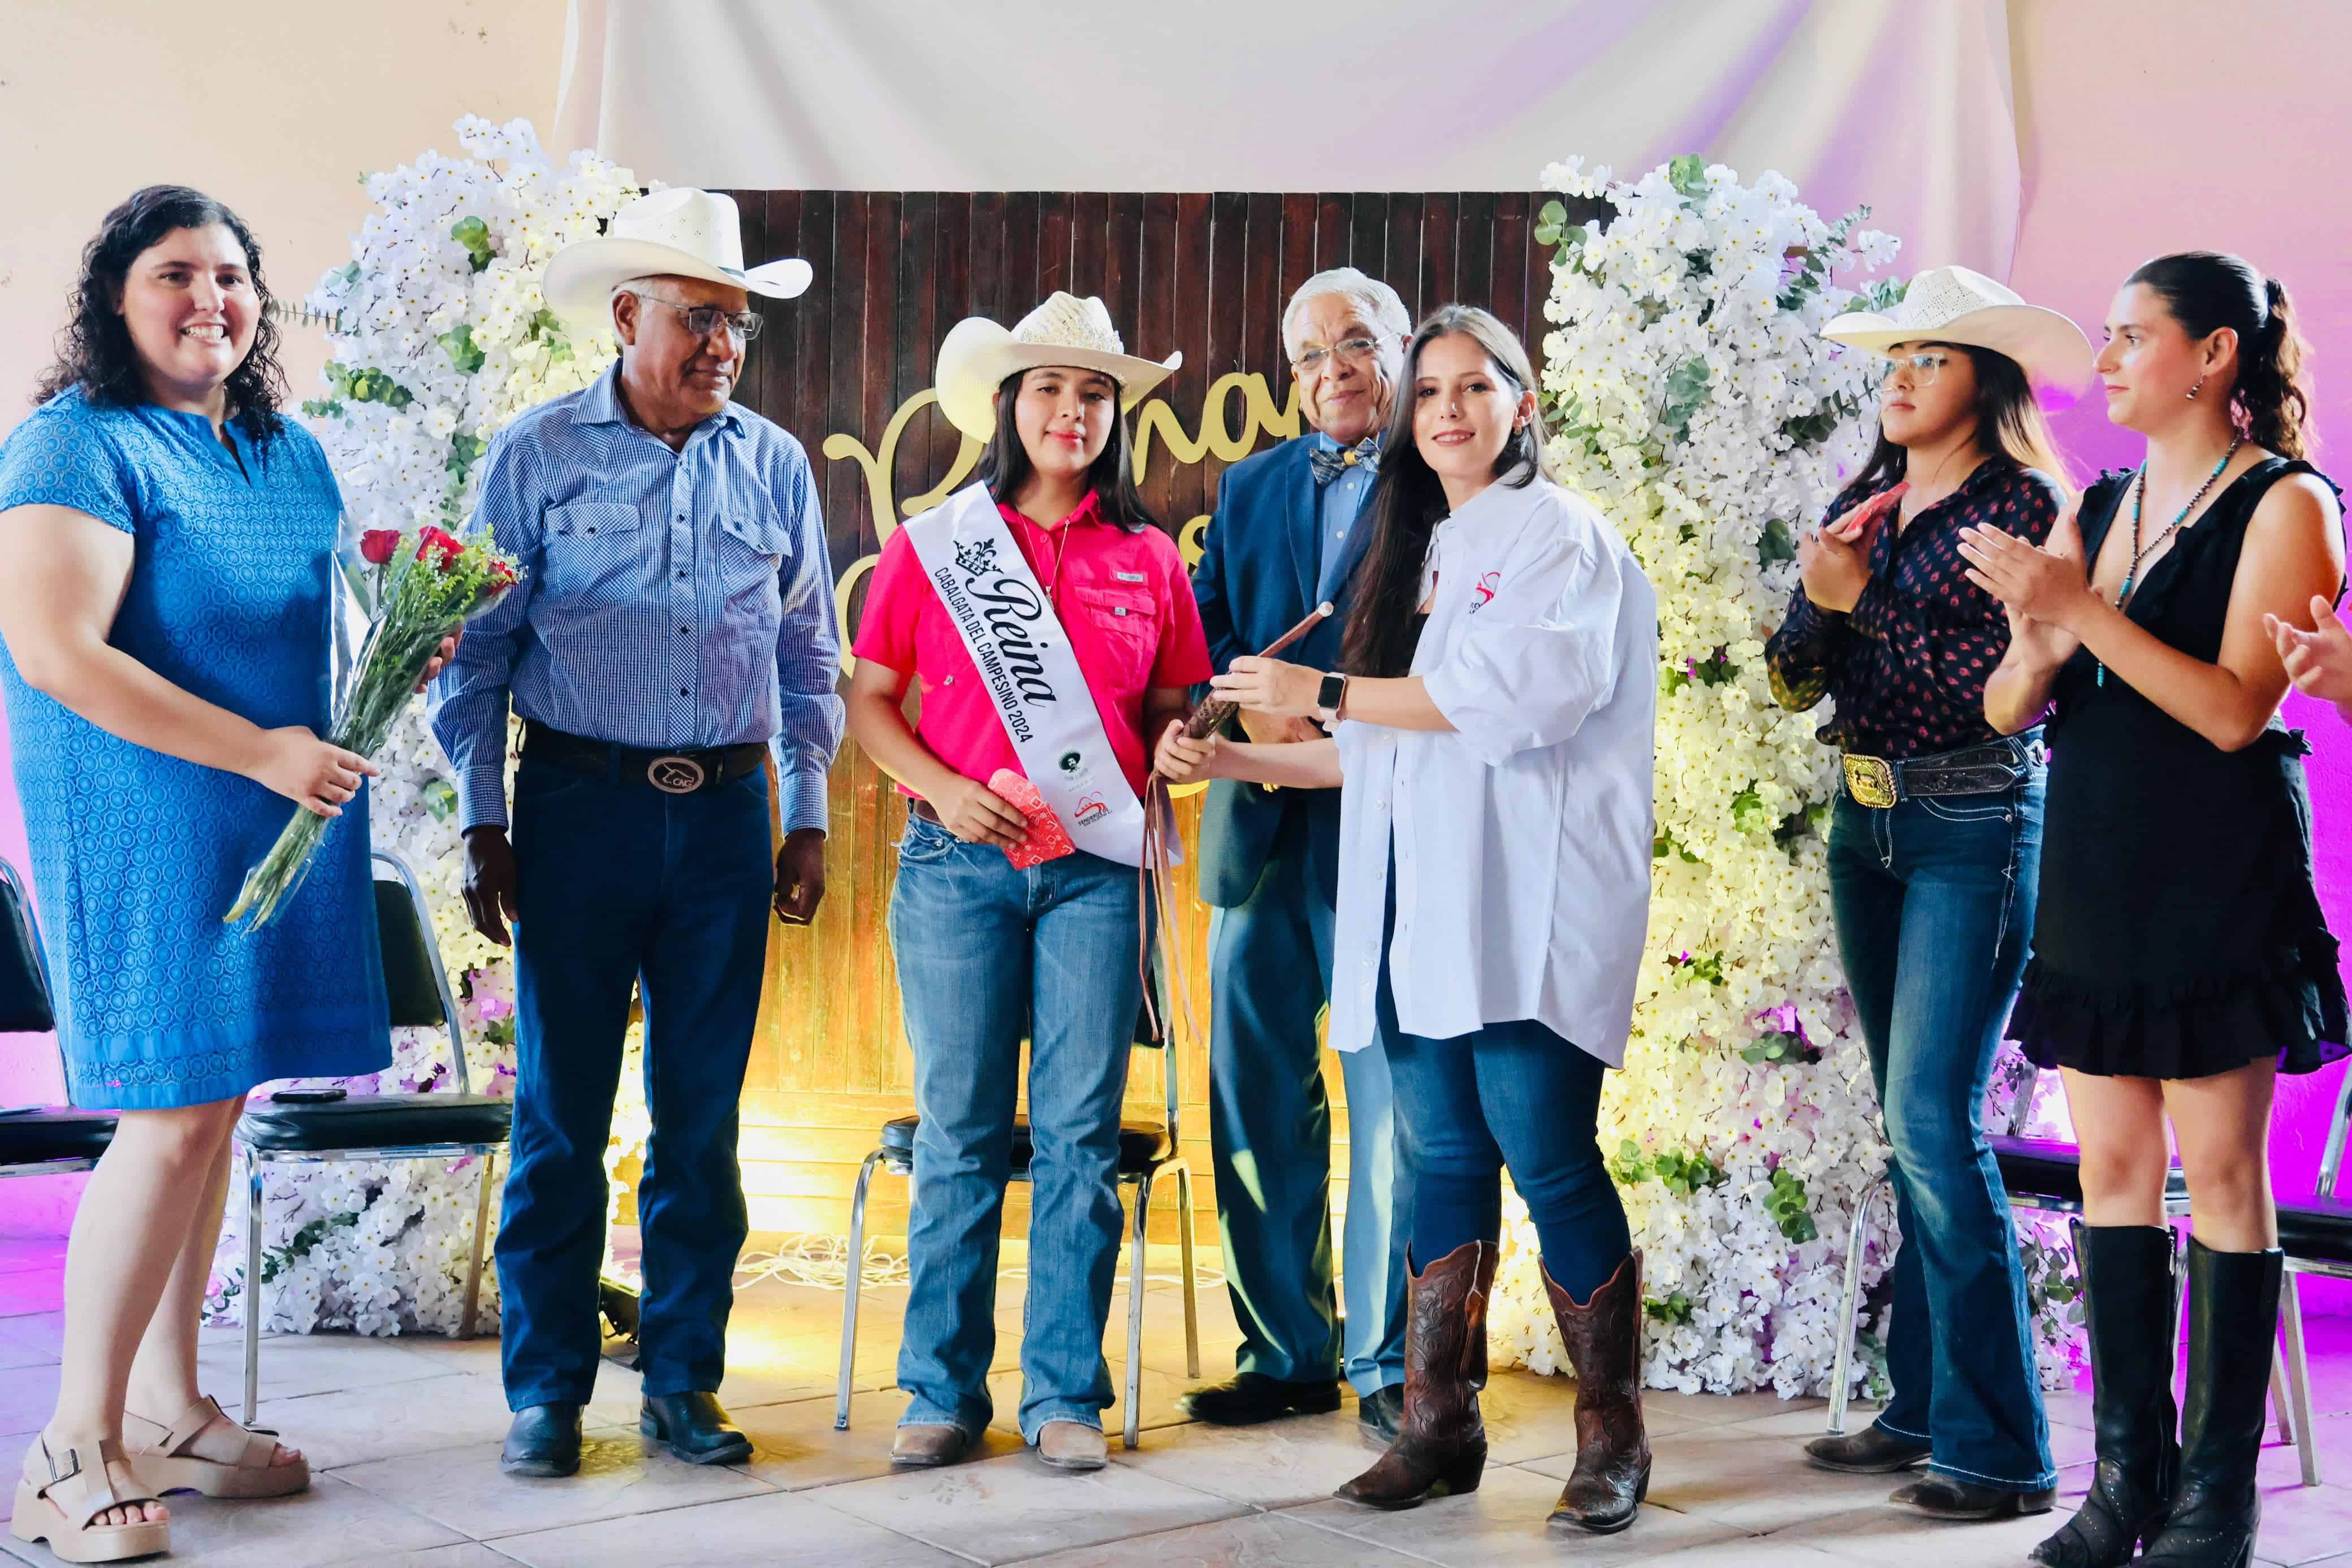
<point>1694,402</point>
<point>440,340</point>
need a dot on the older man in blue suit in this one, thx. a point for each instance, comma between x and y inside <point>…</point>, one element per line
<point>1288,536</point>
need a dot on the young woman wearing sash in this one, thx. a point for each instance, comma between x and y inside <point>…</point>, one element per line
<point>1935,855</point>
<point>1494,747</point>
<point>1052,628</point>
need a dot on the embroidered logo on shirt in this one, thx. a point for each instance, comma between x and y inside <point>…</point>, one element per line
<point>1485,590</point>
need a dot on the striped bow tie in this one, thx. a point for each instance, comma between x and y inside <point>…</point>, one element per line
<point>1330,461</point>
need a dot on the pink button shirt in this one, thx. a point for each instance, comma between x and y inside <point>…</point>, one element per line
<point>1124,598</point>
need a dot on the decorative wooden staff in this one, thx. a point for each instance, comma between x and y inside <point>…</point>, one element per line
<point>1159,821</point>
<point>1211,716</point>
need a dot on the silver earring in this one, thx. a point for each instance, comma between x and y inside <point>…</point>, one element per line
<point>2198,388</point>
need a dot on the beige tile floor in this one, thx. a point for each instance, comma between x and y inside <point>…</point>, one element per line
<point>404,1434</point>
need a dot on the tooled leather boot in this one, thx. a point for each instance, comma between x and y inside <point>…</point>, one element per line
<point>1441,1449</point>
<point>2128,1287</point>
<point>2232,1334</point>
<point>1612,1451</point>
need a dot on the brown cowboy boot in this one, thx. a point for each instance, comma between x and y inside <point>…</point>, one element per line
<point>1441,1449</point>
<point>1612,1452</point>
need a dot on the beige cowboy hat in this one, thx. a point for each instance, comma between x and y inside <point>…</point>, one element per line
<point>1953,305</point>
<point>681,233</point>
<point>1064,330</point>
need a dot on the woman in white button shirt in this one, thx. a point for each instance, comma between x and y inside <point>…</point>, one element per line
<point>1494,742</point>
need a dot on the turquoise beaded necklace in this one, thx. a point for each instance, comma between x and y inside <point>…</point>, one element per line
<point>2139,495</point>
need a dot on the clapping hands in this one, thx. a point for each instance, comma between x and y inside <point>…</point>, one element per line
<point>2319,662</point>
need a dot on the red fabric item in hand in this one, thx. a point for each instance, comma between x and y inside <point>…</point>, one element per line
<point>1048,840</point>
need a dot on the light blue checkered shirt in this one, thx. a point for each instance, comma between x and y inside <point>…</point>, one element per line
<point>669,599</point>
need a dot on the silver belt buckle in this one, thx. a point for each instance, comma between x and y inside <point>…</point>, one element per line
<point>675,774</point>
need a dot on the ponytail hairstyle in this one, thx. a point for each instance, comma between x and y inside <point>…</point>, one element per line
<point>1408,501</point>
<point>1004,465</point>
<point>2207,290</point>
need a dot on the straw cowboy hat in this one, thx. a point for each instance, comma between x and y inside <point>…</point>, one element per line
<point>1953,305</point>
<point>1064,330</point>
<point>682,233</point>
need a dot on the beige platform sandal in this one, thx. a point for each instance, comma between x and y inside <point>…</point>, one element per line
<point>58,1500</point>
<point>166,1457</point>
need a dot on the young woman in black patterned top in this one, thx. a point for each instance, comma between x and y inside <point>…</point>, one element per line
<point>2181,960</point>
<point>1934,846</point>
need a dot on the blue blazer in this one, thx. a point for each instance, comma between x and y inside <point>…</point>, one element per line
<point>1258,577</point>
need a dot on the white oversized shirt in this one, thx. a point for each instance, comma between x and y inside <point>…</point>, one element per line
<point>1523,837</point>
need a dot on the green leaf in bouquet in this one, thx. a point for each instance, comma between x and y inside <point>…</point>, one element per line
<point>1687,175</point>
<point>439,797</point>
<point>1774,545</point>
<point>1748,814</point>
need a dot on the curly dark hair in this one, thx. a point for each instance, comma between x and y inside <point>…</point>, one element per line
<point>95,351</point>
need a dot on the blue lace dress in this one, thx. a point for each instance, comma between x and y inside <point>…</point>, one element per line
<point>137,855</point>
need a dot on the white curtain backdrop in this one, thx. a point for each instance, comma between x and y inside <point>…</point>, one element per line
<point>1905,104</point>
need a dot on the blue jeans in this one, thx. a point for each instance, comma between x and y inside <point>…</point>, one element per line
<point>986,955</point>
<point>1513,1094</point>
<point>1270,1142</point>
<point>618,883</point>
<point>1934,903</point>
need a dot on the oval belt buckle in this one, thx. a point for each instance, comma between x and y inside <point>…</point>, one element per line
<point>675,774</point>
<point>1870,780</point>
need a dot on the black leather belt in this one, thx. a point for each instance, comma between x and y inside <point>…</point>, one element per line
<point>924,809</point>
<point>1878,782</point>
<point>671,772</point>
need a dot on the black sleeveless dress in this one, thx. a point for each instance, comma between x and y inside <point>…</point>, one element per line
<point>2179,933</point>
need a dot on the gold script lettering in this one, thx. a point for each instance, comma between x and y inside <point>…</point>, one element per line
<point>1260,416</point>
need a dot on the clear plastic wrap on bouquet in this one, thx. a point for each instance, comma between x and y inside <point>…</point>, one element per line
<point>417,588</point>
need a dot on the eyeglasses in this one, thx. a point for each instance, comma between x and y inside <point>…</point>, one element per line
<point>1355,350</point>
<point>1923,367</point>
<point>702,320</point>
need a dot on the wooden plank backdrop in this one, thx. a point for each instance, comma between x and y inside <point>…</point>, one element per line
<point>846,368</point>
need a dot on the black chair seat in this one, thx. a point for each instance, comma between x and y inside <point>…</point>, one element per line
<point>2045,1168</point>
<point>29,1137</point>
<point>2318,1231</point>
<point>1141,1144</point>
<point>375,1121</point>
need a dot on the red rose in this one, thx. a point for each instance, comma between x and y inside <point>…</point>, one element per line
<point>377,545</point>
<point>441,544</point>
<point>501,576</point>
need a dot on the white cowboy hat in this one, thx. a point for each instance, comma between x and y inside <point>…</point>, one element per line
<point>1953,305</point>
<point>1064,330</point>
<point>681,233</point>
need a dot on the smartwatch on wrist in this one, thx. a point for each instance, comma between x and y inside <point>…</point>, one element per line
<point>1329,696</point>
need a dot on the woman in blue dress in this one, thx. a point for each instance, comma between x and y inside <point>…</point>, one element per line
<point>165,616</point>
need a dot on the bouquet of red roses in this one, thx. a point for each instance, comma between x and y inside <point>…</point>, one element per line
<point>419,597</point>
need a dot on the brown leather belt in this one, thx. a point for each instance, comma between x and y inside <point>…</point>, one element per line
<point>924,809</point>
<point>671,772</point>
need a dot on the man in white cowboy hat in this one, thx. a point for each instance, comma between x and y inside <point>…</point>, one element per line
<point>673,630</point>
<point>1285,538</point>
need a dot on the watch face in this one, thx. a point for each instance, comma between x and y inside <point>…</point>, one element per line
<point>1327,696</point>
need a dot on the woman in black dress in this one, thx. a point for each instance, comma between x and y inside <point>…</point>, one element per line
<point>2181,959</point>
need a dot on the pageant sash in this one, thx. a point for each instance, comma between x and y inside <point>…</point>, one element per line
<point>1009,627</point>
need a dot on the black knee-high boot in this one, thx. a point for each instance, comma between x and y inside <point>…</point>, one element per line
<point>2232,1335</point>
<point>2127,1283</point>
